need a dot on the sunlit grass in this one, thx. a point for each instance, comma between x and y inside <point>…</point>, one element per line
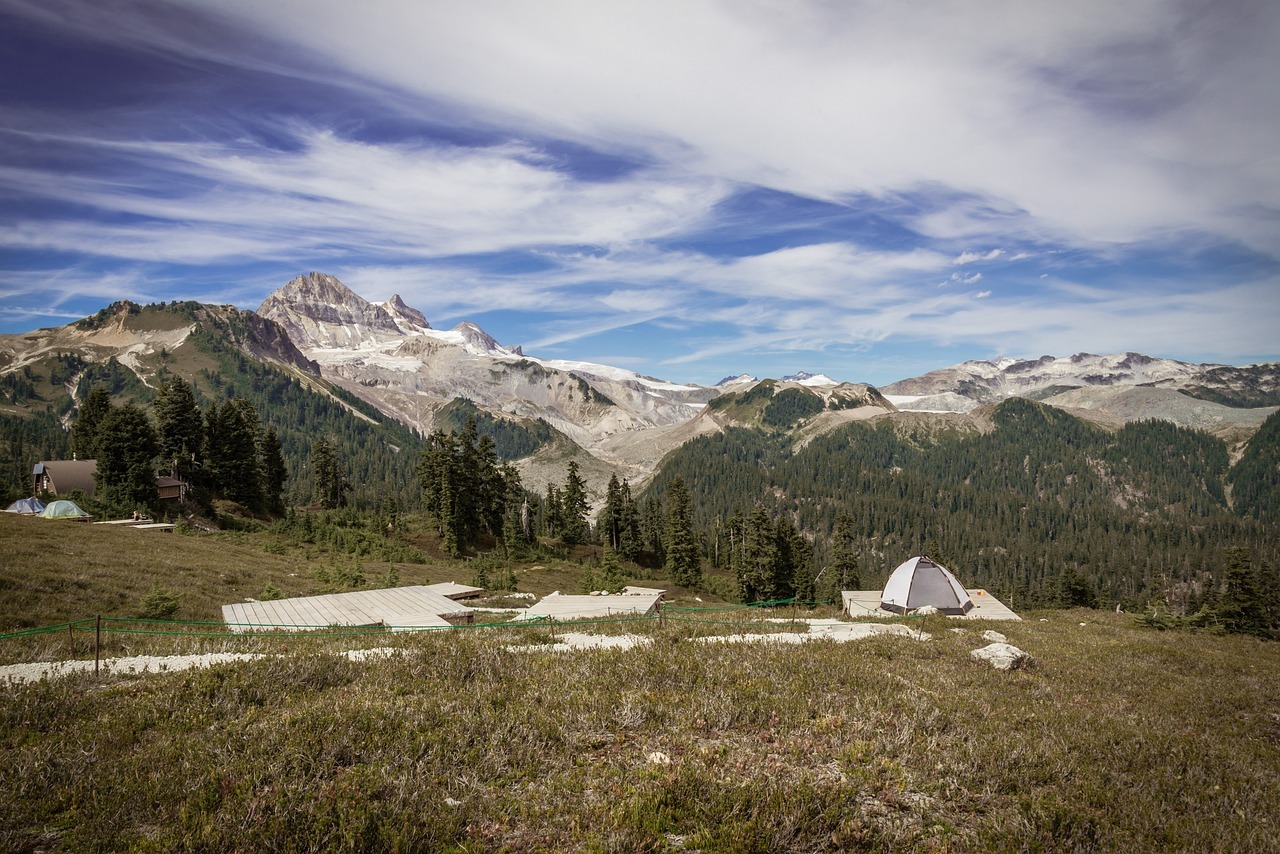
<point>1118,738</point>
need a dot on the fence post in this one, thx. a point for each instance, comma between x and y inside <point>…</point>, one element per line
<point>97,642</point>
<point>551,621</point>
<point>71,639</point>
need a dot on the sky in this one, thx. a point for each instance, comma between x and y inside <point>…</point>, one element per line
<point>695,189</point>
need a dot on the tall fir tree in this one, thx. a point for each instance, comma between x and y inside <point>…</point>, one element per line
<point>274,472</point>
<point>574,507</point>
<point>85,434</point>
<point>326,475</point>
<point>844,555</point>
<point>683,562</point>
<point>180,429</point>
<point>759,557</point>
<point>126,477</point>
<point>231,450</point>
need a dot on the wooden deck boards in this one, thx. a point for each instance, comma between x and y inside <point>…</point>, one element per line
<point>401,608</point>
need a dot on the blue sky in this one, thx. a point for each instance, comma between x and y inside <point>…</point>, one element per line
<point>689,189</point>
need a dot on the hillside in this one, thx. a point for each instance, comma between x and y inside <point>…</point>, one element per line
<point>222,352</point>
<point>1039,498</point>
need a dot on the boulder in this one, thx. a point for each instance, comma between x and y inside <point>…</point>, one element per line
<point>994,636</point>
<point>1003,656</point>
<point>926,611</point>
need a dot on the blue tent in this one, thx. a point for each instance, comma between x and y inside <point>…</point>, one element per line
<point>26,506</point>
<point>63,509</point>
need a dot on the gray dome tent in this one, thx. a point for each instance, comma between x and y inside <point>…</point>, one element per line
<point>921,581</point>
<point>26,506</point>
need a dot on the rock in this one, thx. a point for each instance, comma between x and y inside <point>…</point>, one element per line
<point>1003,656</point>
<point>994,636</point>
<point>926,611</point>
<point>961,631</point>
<point>657,757</point>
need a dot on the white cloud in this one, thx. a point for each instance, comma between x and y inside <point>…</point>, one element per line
<point>967,257</point>
<point>1086,121</point>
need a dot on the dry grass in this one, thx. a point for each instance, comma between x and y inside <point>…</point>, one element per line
<point>1118,739</point>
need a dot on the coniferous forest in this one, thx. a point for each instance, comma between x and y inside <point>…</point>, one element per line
<point>1038,506</point>
<point>1045,509</point>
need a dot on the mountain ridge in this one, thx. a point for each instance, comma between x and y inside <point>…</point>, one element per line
<point>617,421</point>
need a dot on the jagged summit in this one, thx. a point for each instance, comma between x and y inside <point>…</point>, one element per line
<point>738,380</point>
<point>318,311</point>
<point>409,319</point>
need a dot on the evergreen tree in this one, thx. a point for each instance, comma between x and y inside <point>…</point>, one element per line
<point>180,428</point>
<point>231,450</point>
<point>653,529</point>
<point>85,435</point>
<point>126,476</point>
<point>844,555</point>
<point>552,511</point>
<point>274,473</point>
<point>630,540</point>
<point>326,473</point>
<point>759,557</point>
<point>613,580</point>
<point>683,562</point>
<point>793,570</point>
<point>1242,609</point>
<point>609,523</point>
<point>574,508</point>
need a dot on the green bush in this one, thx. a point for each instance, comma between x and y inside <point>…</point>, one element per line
<point>159,604</point>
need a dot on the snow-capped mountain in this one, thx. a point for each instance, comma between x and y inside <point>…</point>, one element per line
<point>807,379</point>
<point>389,355</point>
<point>978,382</point>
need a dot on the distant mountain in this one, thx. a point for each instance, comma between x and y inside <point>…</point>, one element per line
<point>389,355</point>
<point>992,381</point>
<point>808,379</point>
<point>384,363</point>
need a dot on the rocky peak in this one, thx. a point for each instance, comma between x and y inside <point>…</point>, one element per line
<point>409,319</point>
<point>477,340</point>
<point>317,310</point>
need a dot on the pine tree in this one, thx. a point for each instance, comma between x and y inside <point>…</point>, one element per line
<point>231,450</point>
<point>630,540</point>
<point>759,557</point>
<point>85,435</point>
<point>180,428</point>
<point>126,476</point>
<point>326,473</point>
<point>683,562</point>
<point>574,508</point>
<point>844,557</point>
<point>1242,609</point>
<point>274,473</point>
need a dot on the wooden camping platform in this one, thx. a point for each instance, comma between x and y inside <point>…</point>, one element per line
<point>866,603</point>
<point>396,608</point>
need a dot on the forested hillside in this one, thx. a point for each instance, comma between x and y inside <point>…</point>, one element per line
<point>376,454</point>
<point>1044,509</point>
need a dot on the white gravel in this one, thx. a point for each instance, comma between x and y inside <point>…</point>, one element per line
<point>139,664</point>
<point>836,630</point>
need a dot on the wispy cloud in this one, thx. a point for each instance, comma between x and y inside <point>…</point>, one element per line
<point>748,179</point>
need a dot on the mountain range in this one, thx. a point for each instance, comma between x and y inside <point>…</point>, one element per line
<point>611,420</point>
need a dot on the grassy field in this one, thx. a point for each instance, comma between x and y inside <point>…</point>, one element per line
<point>1119,738</point>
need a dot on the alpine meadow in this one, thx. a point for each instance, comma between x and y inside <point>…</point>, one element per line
<point>702,427</point>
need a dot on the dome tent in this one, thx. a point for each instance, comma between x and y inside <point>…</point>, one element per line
<point>922,581</point>
<point>26,506</point>
<point>63,509</point>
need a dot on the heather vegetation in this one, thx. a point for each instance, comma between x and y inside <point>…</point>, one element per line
<point>1118,738</point>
